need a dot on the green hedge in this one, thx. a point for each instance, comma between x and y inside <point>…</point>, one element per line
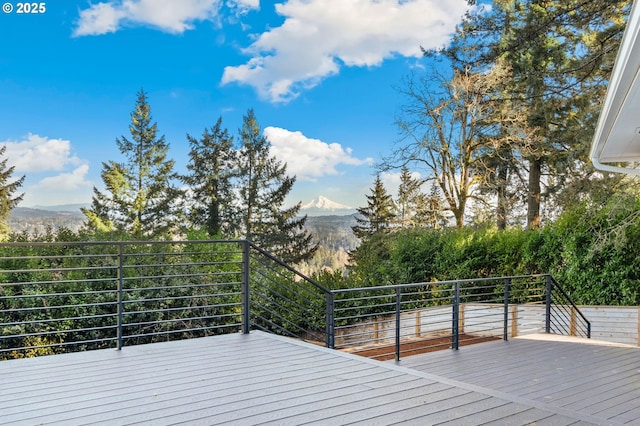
<point>594,251</point>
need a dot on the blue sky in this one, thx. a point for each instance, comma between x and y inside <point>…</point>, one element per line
<point>321,76</point>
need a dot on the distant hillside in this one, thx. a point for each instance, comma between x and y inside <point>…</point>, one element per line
<point>36,221</point>
<point>333,232</point>
<point>62,207</point>
<point>330,231</point>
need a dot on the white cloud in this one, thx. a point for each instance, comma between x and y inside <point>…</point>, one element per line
<point>390,180</point>
<point>101,18</point>
<point>53,175</point>
<point>64,182</point>
<point>37,154</point>
<point>243,6</point>
<point>309,159</point>
<point>318,36</point>
<point>171,16</point>
<point>63,188</point>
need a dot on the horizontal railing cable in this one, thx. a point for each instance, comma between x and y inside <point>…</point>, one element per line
<point>56,297</point>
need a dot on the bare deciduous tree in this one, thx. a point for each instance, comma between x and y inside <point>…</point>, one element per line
<point>442,125</point>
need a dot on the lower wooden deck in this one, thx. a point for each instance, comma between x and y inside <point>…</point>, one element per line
<point>265,379</point>
<point>595,378</point>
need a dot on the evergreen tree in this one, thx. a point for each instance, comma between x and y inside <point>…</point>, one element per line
<point>559,54</point>
<point>432,209</point>
<point>141,199</point>
<point>212,167</point>
<point>7,189</point>
<point>410,200</point>
<point>378,216</point>
<point>263,185</point>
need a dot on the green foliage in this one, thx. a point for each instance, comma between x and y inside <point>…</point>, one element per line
<point>59,292</point>
<point>379,214</point>
<point>7,190</point>
<point>285,305</point>
<point>600,257</point>
<point>373,260</point>
<point>140,197</point>
<point>263,186</point>
<point>594,251</point>
<point>332,280</point>
<point>55,294</point>
<point>410,201</point>
<point>551,60</point>
<point>212,169</point>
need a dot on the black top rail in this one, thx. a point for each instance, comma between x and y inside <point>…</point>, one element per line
<point>289,267</point>
<point>426,283</point>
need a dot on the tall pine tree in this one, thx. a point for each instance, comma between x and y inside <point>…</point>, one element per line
<point>263,185</point>
<point>432,214</point>
<point>559,54</point>
<point>378,216</point>
<point>211,195</point>
<point>140,199</point>
<point>410,200</point>
<point>7,189</point>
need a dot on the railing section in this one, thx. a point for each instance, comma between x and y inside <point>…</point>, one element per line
<point>388,322</point>
<point>563,316</point>
<point>60,297</point>
<point>286,302</point>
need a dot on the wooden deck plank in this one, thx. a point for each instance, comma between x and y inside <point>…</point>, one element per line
<point>600,365</point>
<point>629,416</point>
<point>529,416</point>
<point>268,399</point>
<point>300,410</point>
<point>114,402</point>
<point>182,378</point>
<point>246,379</point>
<point>414,408</point>
<point>501,356</point>
<point>584,394</point>
<point>240,388</point>
<point>580,375</point>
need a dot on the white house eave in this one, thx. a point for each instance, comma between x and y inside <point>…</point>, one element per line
<point>617,135</point>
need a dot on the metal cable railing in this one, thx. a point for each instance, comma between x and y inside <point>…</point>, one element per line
<point>564,317</point>
<point>60,297</point>
<point>388,322</point>
<point>285,301</point>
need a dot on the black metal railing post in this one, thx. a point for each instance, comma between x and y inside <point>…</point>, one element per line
<point>120,316</point>
<point>507,285</point>
<point>246,299</point>
<point>331,323</point>
<point>455,325</point>
<point>547,320</point>
<point>398,308</point>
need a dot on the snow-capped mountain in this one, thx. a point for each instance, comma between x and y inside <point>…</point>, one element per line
<point>323,205</point>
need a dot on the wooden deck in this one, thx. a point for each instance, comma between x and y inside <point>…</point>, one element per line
<point>261,379</point>
<point>595,378</point>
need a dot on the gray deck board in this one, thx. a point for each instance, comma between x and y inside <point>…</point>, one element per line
<point>600,380</point>
<point>265,379</point>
